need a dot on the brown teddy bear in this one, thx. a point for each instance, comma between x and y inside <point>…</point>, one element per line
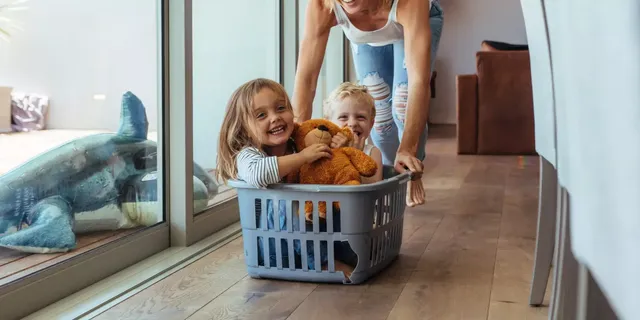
<point>345,166</point>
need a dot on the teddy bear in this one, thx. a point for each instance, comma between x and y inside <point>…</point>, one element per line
<point>345,167</point>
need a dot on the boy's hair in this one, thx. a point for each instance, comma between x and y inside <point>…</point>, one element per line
<point>238,125</point>
<point>345,90</point>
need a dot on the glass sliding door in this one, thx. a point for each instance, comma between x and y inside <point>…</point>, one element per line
<point>232,42</point>
<point>82,103</point>
<point>110,114</point>
<point>228,45</point>
<point>333,71</point>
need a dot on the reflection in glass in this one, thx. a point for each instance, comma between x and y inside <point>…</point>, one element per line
<point>93,183</point>
<point>79,103</point>
<point>225,55</point>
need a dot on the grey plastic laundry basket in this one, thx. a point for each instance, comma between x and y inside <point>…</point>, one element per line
<point>370,218</point>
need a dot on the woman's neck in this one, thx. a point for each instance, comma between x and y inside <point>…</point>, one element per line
<point>375,7</point>
<point>370,19</point>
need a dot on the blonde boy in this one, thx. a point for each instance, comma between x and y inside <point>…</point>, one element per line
<point>350,105</point>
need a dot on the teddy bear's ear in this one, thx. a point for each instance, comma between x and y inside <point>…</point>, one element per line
<point>347,132</point>
<point>296,126</point>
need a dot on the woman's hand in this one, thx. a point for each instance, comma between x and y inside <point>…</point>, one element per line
<point>415,189</point>
<point>406,161</point>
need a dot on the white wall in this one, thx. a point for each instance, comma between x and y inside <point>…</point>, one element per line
<point>72,50</point>
<point>466,25</point>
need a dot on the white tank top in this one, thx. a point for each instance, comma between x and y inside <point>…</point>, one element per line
<point>367,149</point>
<point>391,32</point>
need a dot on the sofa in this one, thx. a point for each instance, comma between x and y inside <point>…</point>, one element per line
<point>495,105</point>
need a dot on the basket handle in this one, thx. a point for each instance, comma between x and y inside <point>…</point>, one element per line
<point>411,174</point>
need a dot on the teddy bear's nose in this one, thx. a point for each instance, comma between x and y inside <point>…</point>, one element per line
<point>323,128</point>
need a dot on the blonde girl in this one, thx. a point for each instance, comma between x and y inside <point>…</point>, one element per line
<point>255,146</point>
<point>255,139</point>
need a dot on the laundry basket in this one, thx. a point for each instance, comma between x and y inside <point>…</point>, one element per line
<point>363,234</point>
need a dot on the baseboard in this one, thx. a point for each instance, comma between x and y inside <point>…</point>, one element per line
<point>103,295</point>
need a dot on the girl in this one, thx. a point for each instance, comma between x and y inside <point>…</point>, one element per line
<point>255,139</point>
<point>350,105</point>
<point>255,146</point>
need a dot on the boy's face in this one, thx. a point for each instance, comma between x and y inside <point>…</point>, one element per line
<point>354,114</point>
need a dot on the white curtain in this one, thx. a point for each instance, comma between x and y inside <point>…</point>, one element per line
<point>542,85</point>
<point>595,49</point>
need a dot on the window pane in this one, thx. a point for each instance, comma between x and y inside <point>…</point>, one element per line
<point>331,73</point>
<point>80,97</point>
<point>231,45</point>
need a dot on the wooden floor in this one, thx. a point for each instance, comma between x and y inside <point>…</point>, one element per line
<point>15,265</point>
<point>466,254</point>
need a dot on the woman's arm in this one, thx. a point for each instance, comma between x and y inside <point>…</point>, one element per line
<point>414,17</point>
<point>318,23</point>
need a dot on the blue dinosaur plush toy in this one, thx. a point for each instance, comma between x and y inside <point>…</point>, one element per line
<point>98,182</point>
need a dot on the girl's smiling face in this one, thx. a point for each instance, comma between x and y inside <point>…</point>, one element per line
<point>273,119</point>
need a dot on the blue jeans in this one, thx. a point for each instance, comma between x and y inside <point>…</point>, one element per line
<point>382,68</point>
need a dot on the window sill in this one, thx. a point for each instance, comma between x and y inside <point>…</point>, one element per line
<point>103,295</point>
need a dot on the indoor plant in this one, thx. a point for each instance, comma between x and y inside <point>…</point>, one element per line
<point>5,22</point>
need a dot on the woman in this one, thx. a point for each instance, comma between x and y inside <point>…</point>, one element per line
<point>380,32</point>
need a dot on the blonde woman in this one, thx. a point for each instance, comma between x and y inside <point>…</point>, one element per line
<point>380,32</point>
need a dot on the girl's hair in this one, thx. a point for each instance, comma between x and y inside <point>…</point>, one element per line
<point>238,126</point>
<point>330,4</point>
<point>345,90</point>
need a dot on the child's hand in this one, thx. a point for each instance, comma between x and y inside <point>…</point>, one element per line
<point>315,152</point>
<point>358,141</point>
<point>339,141</point>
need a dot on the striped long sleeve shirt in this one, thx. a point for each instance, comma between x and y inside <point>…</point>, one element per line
<point>257,168</point>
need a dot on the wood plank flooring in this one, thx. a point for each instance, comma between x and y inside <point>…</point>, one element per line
<point>15,265</point>
<point>466,254</point>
